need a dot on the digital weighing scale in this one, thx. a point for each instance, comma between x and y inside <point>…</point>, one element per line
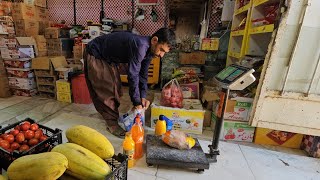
<point>233,77</point>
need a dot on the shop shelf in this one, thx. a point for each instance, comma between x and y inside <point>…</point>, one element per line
<point>262,29</point>
<point>260,2</point>
<point>234,54</point>
<point>237,33</point>
<point>242,9</point>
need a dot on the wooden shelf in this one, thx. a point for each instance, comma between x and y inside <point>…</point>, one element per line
<point>242,9</point>
<point>237,33</point>
<point>260,2</point>
<point>47,91</point>
<point>262,29</point>
<point>234,54</point>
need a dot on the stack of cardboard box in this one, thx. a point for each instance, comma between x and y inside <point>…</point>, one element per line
<point>41,14</point>
<point>17,61</point>
<point>41,46</point>
<point>58,42</point>
<point>25,19</point>
<point>7,40</point>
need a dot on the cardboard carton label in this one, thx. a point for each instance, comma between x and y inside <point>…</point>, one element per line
<point>280,137</point>
<point>42,14</point>
<point>27,27</point>
<point>238,110</point>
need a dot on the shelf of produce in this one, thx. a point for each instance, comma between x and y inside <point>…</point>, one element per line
<point>237,33</point>
<point>242,9</point>
<point>262,29</point>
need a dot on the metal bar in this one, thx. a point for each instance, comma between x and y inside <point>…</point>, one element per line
<point>74,13</point>
<point>132,14</point>
<point>102,11</point>
<point>313,76</point>
<point>294,51</point>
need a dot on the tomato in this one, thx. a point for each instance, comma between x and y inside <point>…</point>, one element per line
<point>14,132</point>
<point>26,122</point>
<point>34,127</point>
<point>4,144</point>
<point>33,142</point>
<point>25,126</point>
<point>17,128</point>
<point>1,139</point>
<point>24,148</point>
<point>20,138</point>
<point>3,136</point>
<point>25,142</point>
<point>15,146</point>
<point>42,138</point>
<point>29,134</point>
<point>9,138</point>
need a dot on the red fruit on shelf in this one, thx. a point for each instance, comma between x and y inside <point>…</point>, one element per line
<point>34,127</point>
<point>4,144</point>
<point>9,138</point>
<point>29,134</point>
<point>15,146</point>
<point>25,126</point>
<point>33,142</point>
<point>24,148</point>
<point>20,138</point>
<point>14,132</point>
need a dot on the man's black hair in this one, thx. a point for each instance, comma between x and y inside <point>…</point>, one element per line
<point>166,35</point>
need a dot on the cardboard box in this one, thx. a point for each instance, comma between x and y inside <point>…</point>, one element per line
<point>3,72</point>
<point>24,92</point>
<point>40,3</point>
<point>185,119</point>
<point>42,46</point>
<point>4,90</point>
<point>311,145</point>
<point>46,80</point>
<point>77,52</point>
<point>26,28</point>
<point>192,58</point>
<point>210,44</point>
<point>55,33</point>
<point>18,63</point>
<point>23,11</point>
<point>64,97</point>
<point>190,91</point>
<point>238,109</point>
<point>42,14</point>
<point>20,73</point>
<point>63,86</point>
<point>8,42</point>
<point>234,130</point>
<point>47,88</point>
<point>63,73</point>
<point>22,83</point>
<point>40,39</point>
<point>16,53</point>
<point>5,8</point>
<point>46,65</point>
<point>277,138</point>
<point>43,25</point>
<point>43,53</point>
<point>60,47</point>
<point>207,118</point>
<point>7,26</point>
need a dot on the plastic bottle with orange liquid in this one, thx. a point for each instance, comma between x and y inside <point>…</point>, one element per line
<point>128,149</point>
<point>137,132</point>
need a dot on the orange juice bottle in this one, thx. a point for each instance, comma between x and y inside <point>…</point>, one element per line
<point>160,127</point>
<point>137,132</point>
<point>128,149</point>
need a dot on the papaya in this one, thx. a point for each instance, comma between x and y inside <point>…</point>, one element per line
<point>3,177</point>
<point>83,164</point>
<point>90,139</point>
<point>48,165</point>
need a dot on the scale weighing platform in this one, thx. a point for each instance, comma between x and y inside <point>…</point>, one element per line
<point>233,77</point>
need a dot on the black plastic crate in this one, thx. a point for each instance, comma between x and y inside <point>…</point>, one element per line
<point>119,166</point>
<point>54,138</point>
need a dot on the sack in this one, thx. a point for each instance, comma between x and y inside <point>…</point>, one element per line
<point>126,121</point>
<point>178,139</point>
<point>171,95</point>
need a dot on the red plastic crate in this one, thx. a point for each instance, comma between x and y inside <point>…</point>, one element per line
<point>54,138</point>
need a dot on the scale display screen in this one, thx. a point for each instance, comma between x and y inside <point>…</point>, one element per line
<point>231,73</point>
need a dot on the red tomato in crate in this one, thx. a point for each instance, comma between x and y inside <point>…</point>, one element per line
<point>43,138</point>
<point>20,138</point>
<point>15,146</point>
<point>25,142</point>
<point>17,128</point>
<point>4,144</point>
<point>25,126</point>
<point>9,138</point>
<point>34,127</point>
<point>33,142</point>
<point>26,122</point>
<point>14,132</point>
<point>29,134</point>
<point>24,148</point>
<point>37,134</point>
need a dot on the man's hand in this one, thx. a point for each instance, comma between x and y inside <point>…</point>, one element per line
<point>138,107</point>
<point>145,103</point>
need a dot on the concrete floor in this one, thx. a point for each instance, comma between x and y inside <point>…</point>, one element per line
<point>237,160</point>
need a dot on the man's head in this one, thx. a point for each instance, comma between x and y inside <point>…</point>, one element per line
<point>162,41</point>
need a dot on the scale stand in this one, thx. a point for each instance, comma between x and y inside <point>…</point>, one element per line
<point>233,77</point>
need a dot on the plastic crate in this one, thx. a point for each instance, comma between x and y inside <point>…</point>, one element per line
<point>54,138</point>
<point>119,166</point>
